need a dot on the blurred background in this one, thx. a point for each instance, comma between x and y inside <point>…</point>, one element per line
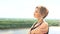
<point>16,16</point>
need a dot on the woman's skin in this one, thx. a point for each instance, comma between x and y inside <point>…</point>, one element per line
<point>38,15</point>
<point>43,28</point>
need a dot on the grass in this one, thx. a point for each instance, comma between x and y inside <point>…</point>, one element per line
<point>7,23</point>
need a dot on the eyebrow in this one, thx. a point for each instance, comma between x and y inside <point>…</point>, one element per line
<point>36,7</point>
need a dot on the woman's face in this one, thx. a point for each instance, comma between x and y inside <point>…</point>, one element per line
<point>37,13</point>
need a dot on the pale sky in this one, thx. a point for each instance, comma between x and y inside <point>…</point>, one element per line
<point>25,8</point>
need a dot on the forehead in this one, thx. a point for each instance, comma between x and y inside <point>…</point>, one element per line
<point>38,7</point>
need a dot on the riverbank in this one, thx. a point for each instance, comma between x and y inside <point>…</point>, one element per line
<point>8,23</point>
<point>52,30</point>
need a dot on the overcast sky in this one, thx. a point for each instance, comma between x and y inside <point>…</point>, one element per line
<point>25,8</point>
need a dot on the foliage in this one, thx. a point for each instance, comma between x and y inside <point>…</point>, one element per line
<point>24,23</point>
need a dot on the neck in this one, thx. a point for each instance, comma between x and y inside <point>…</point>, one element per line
<point>40,20</point>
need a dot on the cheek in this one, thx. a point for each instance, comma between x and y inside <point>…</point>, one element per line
<point>36,15</point>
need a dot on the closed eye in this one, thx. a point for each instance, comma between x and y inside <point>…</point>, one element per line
<point>36,7</point>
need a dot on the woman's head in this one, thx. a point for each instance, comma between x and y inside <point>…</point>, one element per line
<point>40,12</point>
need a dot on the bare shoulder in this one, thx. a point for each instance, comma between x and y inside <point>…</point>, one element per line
<point>45,23</point>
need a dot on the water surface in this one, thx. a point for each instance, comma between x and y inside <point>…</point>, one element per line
<point>52,30</point>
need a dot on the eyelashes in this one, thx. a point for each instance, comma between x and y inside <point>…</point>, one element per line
<point>36,7</point>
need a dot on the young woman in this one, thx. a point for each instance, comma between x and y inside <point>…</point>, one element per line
<point>40,27</point>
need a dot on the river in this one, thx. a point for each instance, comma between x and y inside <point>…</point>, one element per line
<point>52,30</point>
